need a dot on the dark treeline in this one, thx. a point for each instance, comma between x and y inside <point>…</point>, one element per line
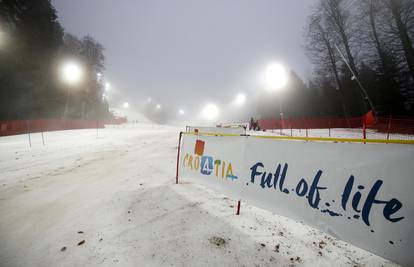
<point>33,48</point>
<point>375,38</point>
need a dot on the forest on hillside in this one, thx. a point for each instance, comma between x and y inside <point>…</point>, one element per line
<point>33,49</point>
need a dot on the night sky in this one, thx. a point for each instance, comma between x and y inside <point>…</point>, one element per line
<point>182,52</point>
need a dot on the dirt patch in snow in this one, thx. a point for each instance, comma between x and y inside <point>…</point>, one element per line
<point>217,241</point>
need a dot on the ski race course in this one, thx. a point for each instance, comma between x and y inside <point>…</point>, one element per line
<point>109,198</point>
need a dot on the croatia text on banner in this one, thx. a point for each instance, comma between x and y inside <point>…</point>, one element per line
<point>360,194</point>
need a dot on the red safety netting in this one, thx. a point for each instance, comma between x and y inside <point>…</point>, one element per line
<point>42,125</point>
<point>394,125</point>
<point>368,121</point>
<point>117,120</point>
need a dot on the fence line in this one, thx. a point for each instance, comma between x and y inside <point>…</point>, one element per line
<point>387,125</point>
<point>15,127</point>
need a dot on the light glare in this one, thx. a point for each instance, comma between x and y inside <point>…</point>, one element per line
<point>107,86</point>
<point>240,99</point>
<point>210,111</point>
<point>126,105</point>
<point>72,73</point>
<point>181,111</point>
<point>276,76</point>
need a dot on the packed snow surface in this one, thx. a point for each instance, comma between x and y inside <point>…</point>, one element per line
<point>109,198</point>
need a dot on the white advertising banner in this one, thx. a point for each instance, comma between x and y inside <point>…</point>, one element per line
<point>360,193</point>
<point>216,130</point>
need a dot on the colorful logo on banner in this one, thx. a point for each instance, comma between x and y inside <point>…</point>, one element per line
<point>207,165</point>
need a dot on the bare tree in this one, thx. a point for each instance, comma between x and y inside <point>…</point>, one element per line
<point>320,48</point>
<point>403,12</point>
<point>337,18</point>
<point>378,54</point>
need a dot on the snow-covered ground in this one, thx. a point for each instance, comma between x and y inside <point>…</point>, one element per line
<point>116,192</point>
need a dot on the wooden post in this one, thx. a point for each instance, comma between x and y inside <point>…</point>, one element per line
<point>364,130</point>
<point>306,125</point>
<point>178,157</point>
<point>329,127</point>
<point>43,138</point>
<point>28,133</point>
<point>389,128</point>
<point>238,208</point>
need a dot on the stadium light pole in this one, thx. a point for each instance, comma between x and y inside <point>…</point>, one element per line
<point>71,74</point>
<point>276,79</point>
